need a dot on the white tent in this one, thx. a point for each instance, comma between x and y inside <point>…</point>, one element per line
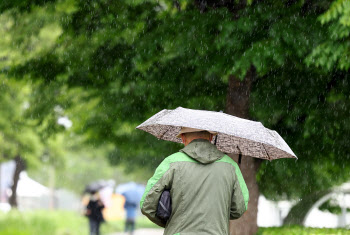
<point>28,187</point>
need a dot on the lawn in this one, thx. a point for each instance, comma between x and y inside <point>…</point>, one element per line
<point>299,230</point>
<point>71,223</point>
<point>56,223</point>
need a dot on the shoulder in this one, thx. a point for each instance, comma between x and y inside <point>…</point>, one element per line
<point>176,157</point>
<point>228,160</point>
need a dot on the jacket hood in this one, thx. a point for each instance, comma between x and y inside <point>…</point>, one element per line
<point>202,151</point>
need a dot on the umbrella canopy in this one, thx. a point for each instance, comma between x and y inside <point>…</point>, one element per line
<point>131,191</point>
<point>97,185</point>
<point>235,135</point>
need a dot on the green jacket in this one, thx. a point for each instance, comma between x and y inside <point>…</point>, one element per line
<point>207,190</point>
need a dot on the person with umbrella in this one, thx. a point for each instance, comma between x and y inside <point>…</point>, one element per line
<point>130,207</point>
<point>206,186</point>
<point>94,207</point>
<point>132,193</point>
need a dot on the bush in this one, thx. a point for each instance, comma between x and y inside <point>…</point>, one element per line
<point>299,230</point>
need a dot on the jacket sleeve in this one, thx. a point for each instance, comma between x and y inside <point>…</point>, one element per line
<point>240,195</point>
<point>161,180</point>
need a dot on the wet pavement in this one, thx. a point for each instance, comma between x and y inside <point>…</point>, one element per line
<point>145,231</point>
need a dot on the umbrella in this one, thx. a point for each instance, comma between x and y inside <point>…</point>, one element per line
<point>131,191</point>
<point>97,185</point>
<point>235,135</point>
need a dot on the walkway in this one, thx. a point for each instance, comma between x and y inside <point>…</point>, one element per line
<point>144,231</point>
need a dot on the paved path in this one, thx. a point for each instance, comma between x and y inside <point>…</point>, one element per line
<point>144,231</point>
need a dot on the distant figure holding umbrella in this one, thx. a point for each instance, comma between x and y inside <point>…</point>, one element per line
<point>130,208</point>
<point>94,213</point>
<point>95,206</point>
<point>132,193</point>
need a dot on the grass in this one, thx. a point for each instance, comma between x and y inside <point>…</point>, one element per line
<point>71,223</point>
<point>118,226</point>
<point>56,223</point>
<point>42,222</point>
<point>299,230</point>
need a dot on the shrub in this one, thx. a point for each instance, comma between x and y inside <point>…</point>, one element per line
<point>299,230</point>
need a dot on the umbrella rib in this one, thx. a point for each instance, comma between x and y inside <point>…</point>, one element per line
<point>164,133</point>
<point>268,155</point>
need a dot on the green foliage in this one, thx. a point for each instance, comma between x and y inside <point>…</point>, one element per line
<point>81,166</point>
<point>298,230</point>
<point>27,39</point>
<point>17,133</point>
<point>111,65</point>
<point>28,124</point>
<point>332,207</point>
<point>314,120</point>
<point>57,223</point>
<point>118,226</point>
<point>42,222</point>
<point>335,50</point>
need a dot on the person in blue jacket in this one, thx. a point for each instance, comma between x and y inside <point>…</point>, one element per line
<point>130,208</point>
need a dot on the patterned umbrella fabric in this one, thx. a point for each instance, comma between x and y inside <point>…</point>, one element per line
<point>235,135</point>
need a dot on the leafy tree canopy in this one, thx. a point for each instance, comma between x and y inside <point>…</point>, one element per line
<point>334,51</point>
<point>126,60</point>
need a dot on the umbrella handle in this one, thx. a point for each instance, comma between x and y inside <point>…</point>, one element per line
<point>239,156</point>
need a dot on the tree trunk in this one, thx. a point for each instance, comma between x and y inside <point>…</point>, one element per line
<point>237,104</point>
<point>52,176</point>
<point>299,211</point>
<point>20,166</point>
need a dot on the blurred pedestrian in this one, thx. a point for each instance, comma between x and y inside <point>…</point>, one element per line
<point>130,208</point>
<point>94,213</point>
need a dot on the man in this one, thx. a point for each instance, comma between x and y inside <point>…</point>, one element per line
<point>206,187</point>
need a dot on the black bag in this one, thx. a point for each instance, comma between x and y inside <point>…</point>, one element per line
<point>164,206</point>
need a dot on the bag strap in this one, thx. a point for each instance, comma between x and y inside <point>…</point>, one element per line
<point>162,205</point>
